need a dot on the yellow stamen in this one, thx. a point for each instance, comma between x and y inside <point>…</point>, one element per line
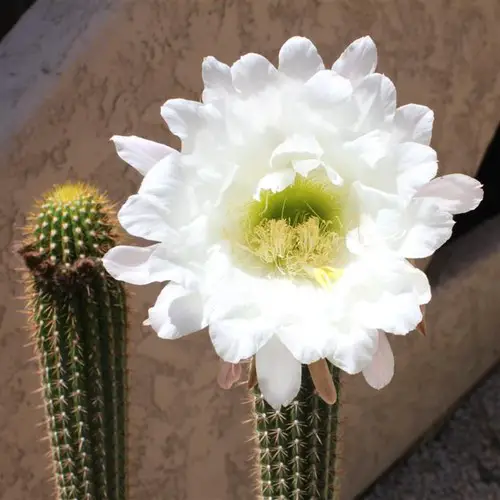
<point>326,276</point>
<point>306,249</point>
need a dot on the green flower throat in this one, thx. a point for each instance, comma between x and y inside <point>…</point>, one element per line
<point>297,232</point>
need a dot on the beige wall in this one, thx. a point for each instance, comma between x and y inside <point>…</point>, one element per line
<point>74,73</point>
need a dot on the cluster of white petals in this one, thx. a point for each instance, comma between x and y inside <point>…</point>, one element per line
<point>289,221</point>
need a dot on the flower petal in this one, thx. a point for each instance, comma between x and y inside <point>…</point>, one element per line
<point>353,347</point>
<point>455,193</point>
<point>275,182</point>
<point>252,73</point>
<point>369,148</point>
<point>307,344</point>
<point>427,229</point>
<point>326,88</point>
<point>358,60</point>
<point>407,169</point>
<point>295,148</point>
<point>169,186</point>
<point>131,264</point>
<point>389,293</point>
<point>413,123</point>
<point>279,374</point>
<point>299,58</point>
<point>140,153</point>
<point>416,165</point>
<point>216,74</point>
<point>376,100</point>
<point>381,370</point>
<point>145,216</point>
<point>216,78</point>
<point>305,167</point>
<point>177,312</point>
<point>164,179</point>
<point>236,336</point>
<point>182,117</point>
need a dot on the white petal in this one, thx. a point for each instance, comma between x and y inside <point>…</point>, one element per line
<point>307,343</point>
<point>381,219</point>
<point>275,182</point>
<point>216,74</point>
<point>236,338</point>
<point>381,370</point>
<point>455,193</point>
<point>131,264</point>
<point>413,123</point>
<point>145,216</point>
<point>414,165</point>
<point>358,60</point>
<point>305,167</point>
<point>252,73</point>
<point>389,294</point>
<point>427,229</point>
<point>299,58</point>
<point>174,262</point>
<point>216,78</point>
<point>296,147</point>
<point>182,117</point>
<point>420,284</point>
<point>369,147</point>
<point>176,313</point>
<point>326,88</point>
<point>376,100</point>
<point>164,179</point>
<point>168,186</point>
<point>140,153</point>
<point>353,348</point>
<point>279,374</point>
<point>397,313</point>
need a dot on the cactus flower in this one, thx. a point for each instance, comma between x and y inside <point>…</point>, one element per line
<point>289,221</point>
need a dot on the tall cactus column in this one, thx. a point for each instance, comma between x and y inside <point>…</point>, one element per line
<point>298,446</point>
<point>78,316</point>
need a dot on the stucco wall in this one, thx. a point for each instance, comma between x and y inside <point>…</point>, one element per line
<point>74,73</point>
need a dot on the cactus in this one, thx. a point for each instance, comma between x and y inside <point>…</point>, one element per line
<point>78,318</point>
<point>298,446</point>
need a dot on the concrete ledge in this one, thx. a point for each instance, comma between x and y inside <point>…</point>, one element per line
<point>74,73</point>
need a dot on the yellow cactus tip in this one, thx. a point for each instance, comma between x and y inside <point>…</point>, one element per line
<point>70,192</point>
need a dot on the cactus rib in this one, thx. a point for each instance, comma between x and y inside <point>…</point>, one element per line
<point>298,445</point>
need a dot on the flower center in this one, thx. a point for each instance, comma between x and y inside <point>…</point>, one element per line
<point>297,232</point>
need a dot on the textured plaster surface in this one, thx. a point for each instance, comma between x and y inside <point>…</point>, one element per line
<point>74,73</point>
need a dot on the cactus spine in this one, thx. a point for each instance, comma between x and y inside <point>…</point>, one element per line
<point>298,447</point>
<point>78,317</point>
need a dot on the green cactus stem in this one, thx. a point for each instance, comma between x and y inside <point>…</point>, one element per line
<point>298,446</point>
<point>78,317</point>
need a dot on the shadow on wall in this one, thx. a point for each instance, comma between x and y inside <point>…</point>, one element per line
<point>10,12</point>
<point>489,175</point>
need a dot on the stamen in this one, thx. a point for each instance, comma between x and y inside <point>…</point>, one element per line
<point>326,276</point>
<point>305,249</point>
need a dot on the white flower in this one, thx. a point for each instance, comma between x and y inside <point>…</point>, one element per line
<point>286,222</point>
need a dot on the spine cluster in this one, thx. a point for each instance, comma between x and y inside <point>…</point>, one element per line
<point>79,322</point>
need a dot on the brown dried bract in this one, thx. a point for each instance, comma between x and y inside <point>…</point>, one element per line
<point>252,375</point>
<point>323,381</point>
<point>50,274</point>
<point>421,327</point>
